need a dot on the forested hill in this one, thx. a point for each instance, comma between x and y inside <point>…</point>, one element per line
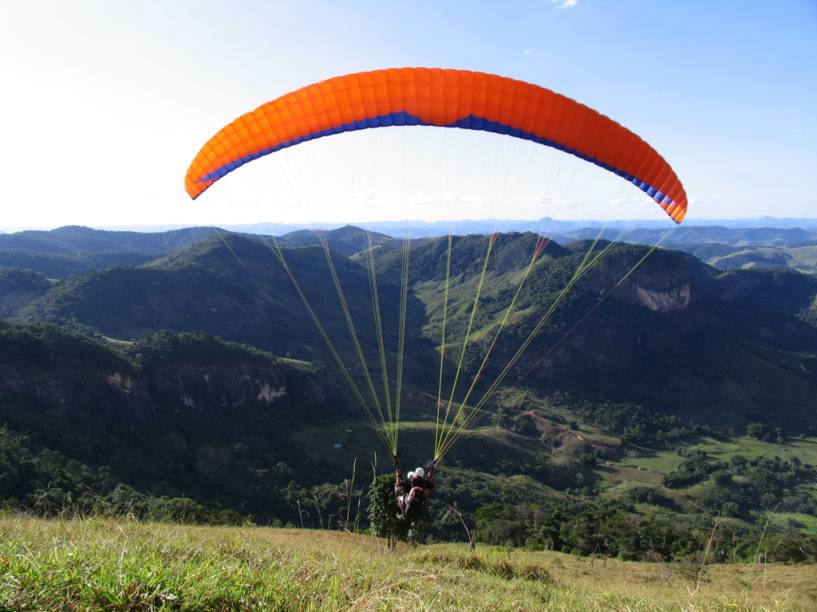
<point>686,235</point>
<point>676,336</point>
<point>73,239</point>
<point>69,250</point>
<point>229,286</point>
<point>172,415</point>
<point>347,240</point>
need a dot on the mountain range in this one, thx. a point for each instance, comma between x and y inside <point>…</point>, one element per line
<point>671,308</point>
<point>68,250</point>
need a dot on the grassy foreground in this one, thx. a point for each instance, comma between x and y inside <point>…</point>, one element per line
<point>107,564</point>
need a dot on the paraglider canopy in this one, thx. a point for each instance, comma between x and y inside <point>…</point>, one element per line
<point>444,98</point>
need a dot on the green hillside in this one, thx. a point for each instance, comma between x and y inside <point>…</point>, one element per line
<point>77,239</point>
<point>18,288</point>
<point>189,427</point>
<point>686,235</point>
<point>51,565</point>
<point>230,286</point>
<point>347,240</point>
<point>800,258</point>
<point>65,265</point>
<point>721,332</point>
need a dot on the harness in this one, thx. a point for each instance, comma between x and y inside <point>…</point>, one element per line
<point>412,502</point>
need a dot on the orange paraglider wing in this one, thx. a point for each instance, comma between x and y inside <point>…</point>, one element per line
<point>444,98</point>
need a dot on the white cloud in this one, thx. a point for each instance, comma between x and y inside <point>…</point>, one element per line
<point>630,201</point>
<point>527,52</point>
<point>565,4</point>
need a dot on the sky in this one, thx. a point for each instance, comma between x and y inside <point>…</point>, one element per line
<point>104,105</point>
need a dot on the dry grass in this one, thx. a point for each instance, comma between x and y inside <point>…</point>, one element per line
<point>118,565</point>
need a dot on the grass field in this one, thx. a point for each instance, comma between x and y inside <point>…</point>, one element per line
<point>804,449</point>
<point>117,565</point>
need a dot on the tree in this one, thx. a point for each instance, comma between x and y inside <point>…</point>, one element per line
<point>383,510</point>
<point>758,431</point>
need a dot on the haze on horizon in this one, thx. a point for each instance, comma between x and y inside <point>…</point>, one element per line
<point>106,104</point>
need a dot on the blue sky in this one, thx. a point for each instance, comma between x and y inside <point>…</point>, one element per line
<point>106,103</point>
